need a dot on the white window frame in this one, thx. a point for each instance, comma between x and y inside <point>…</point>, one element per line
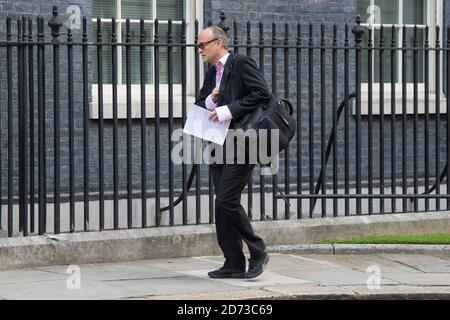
<point>193,10</point>
<point>434,18</point>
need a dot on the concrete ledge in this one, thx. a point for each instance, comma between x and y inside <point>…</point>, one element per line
<point>343,228</point>
<point>361,249</point>
<point>302,249</point>
<point>107,246</point>
<point>3,233</point>
<point>183,241</point>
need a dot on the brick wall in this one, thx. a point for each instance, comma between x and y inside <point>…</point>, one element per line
<point>33,9</point>
<point>282,11</point>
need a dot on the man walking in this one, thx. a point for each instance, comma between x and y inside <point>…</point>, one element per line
<point>233,86</point>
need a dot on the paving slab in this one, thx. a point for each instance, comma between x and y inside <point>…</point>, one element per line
<point>177,284</point>
<point>424,279</point>
<point>58,290</point>
<point>266,279</point>
<point>424,263</point>
<point>362,262</point>
<point>105,272</point>
<point>287,276</point>
<point>411,291</point>
<point>336,277</point>
<point>361,292</point>
<point>296,261</point>
<point>26,276</point>
<point>317,291</point>
<point>179,264</point>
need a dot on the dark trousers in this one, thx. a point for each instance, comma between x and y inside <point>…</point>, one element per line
<point>232,223</point>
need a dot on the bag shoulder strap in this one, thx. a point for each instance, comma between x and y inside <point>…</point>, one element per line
<point>188,186</point>
<point>287,103</point>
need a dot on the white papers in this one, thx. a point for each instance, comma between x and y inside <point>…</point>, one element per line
<point>199,125</point>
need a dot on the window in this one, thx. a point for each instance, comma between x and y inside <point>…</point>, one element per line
<point>410,13</point>
<point>177,10</point>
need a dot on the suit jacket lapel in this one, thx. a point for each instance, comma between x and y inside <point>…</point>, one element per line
<point>224,82</point>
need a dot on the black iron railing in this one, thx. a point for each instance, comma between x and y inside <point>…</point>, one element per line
<point>340,154</point>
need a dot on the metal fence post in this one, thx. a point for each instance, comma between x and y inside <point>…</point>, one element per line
<point>10,124</point>
<point>31,123</point>
<point>55,24</point>
<point>21,25</point>
<point>41,125</point>
<point>222,24</point>
<point>358,31</point>
<point>85,57</point>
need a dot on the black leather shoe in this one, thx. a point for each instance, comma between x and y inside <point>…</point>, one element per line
<point>257,265</point>
<point>223,273</point>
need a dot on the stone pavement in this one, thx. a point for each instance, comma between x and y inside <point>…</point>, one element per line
<point>288,276</point>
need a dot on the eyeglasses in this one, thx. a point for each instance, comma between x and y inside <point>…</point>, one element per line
<point>203,45</point>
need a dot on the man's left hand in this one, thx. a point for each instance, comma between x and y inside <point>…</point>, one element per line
<point>214,117</point>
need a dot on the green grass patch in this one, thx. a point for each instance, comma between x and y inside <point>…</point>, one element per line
<point>436,238</point>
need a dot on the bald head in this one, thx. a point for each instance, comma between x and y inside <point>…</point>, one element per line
<point>212,44</point>
<point>218,33</point>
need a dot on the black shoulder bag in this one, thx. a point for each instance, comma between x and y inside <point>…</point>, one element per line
<point>275,114</point>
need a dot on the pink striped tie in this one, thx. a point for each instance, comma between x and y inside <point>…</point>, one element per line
<point>219,71</point>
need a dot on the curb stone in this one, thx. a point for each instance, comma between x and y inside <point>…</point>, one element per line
<point>316,292</point>
<point>361,249</point>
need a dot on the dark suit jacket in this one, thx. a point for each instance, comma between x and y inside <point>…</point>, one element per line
<point>242,87</point>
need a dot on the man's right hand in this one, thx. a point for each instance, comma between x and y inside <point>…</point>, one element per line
<point>215,95</point>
